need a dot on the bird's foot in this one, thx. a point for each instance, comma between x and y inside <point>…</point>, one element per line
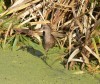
<point>44,58</point>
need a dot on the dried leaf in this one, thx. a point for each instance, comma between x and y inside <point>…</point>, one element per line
<point>93,53</point>
<point>74,53</point>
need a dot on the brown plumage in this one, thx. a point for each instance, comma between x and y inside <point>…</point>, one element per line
<point>48,39</point>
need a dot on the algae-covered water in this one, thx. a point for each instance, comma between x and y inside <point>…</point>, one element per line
<point>22,67</point>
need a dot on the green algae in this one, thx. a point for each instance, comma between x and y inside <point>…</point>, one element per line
<point>21,67</point>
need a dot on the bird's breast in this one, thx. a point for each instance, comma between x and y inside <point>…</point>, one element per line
<point>48,42</point>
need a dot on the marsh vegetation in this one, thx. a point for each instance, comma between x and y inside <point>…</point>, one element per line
<point>75,25</point>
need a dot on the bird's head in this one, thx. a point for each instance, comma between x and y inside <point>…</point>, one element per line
<point>44,28</point>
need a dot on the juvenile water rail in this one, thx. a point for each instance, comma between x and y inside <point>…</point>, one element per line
<point>48,39</point>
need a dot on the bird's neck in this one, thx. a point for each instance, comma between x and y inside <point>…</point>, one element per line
<point>47,35</point>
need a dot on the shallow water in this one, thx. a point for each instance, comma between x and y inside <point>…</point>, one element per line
<point>22,67</point>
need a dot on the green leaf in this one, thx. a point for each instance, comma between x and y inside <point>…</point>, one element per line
<point>98,39</point>
<point>92,1</point>
<point>95,46</point>
<point>1,4</point>
<point>28,42</point>
<point>15,42</point>
<point>10,39</point>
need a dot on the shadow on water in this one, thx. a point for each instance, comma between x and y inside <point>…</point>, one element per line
<point>32,51</point>
<point>35,52</point>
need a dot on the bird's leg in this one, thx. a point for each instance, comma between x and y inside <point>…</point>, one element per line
<point>44,59</point>
<point>45,56</point>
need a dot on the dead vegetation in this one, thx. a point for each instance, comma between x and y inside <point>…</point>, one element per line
<point>74,23</point>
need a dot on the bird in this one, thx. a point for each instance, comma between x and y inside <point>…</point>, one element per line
<point>48,40</point>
